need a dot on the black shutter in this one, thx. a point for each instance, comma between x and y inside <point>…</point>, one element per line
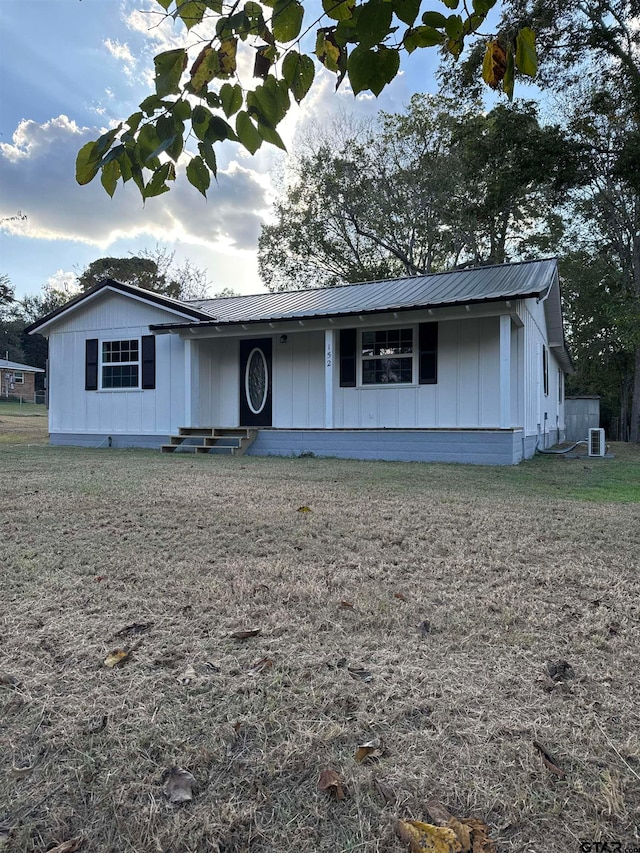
<point>148,361</point>
<point>91,365</point>
<point>348,339</point>
<point>428,343</point>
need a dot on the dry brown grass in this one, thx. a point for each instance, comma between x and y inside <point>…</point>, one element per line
<point>508,579</point>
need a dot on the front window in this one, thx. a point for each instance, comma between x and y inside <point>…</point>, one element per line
<point>18,377</point>
<point>120,364</point>
<point>387,357</point>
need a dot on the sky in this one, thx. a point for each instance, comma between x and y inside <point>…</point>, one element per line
<point>71,69</point>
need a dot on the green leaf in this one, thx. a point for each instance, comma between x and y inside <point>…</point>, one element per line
<point>148,142</point>
<point>451,4</point>
<point>269,101</point>
<point>453,26</point>
<point>105,141</point>
<point>434,19</point>
<point>164,3</point>
<point>200,120</point>
<point>298,70</point>
<point>169,67</point>
<point>526,58</point>
<point>372,69</point>
<point>219,130</point>
<point>190,11</point>
<point>227,57</point>
<point>422,37</point>
<point>110,175</point>
<point>374,22</point>
<point>151,104</point>
<point>231,98</point>
<point>198,175</point>
<point>247,132</point>
<point>133,122</point>
<point>287,20</point>
<point>205,68</point>
<point>157,185</point>
<point>406,10</point>
<point>339,10</point>
<point>87,163</point>
<point>271,135</point>
<point>214,5</point>
<point>483,7</point>
<point>182,110</point>
<point>209,156</point>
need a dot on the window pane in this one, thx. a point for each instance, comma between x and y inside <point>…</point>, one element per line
<point>386,371</point>
<point>125,376</point>
<point>119,351</point>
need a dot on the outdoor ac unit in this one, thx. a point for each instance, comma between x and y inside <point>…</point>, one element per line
<point>597,445</point>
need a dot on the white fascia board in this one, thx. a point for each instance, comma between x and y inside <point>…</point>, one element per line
<point>91,297</point>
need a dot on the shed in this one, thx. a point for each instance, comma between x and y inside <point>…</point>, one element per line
<point>581,414</point>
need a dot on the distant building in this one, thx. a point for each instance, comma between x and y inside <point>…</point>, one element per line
<point>18,380</point>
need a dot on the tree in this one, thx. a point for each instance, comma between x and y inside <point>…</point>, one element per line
<point>433,188</point>
<point>197,87</point>
<point>154,270</point>
<point>10,328</point>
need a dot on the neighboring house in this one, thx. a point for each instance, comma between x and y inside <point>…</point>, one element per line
<point>465,366</point>
<point>18,380</point>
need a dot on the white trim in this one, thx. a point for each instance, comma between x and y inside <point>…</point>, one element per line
<point>89,298</point>
<point>414,356</point>
<point>505,371</point>
<point>102,364</point>
<point>329,358</point>
<point>188,397</point>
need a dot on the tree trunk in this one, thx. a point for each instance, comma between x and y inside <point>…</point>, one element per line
<point>634,434</point>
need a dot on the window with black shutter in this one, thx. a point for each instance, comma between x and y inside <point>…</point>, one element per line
<point>148,362</point>
<point>91,365</point>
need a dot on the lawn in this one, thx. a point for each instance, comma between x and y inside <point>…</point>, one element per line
<point>452,614</point>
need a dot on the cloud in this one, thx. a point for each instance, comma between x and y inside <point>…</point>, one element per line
<point>119,51</point>
<point>37,176</point>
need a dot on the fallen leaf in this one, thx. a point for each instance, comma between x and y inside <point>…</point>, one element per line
<point>262,665</point>
<point>244,635</point>
<point>372,749</point>
<point>100,578</point>
<point>68,846</point>
<point>438,813</point>
<point>472,834</point>
<point>9,680</point>
<point>400,595</point>
<point>179,785</point>
<point>425,627</point>
<point>463,834</point>
<point>303,509</point>
<point>362,674</point>
<point>99,726</point>
<point>548,760</point>
<point>426,838</point>
<point>386,791</point>
<point>347,605</point>
<point>331,782</point>
<point>115,657</point>
<point>188,675</point>
<point>480,841</point>
<point>560,670</point>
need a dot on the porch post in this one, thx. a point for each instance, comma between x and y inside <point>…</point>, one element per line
<point>329,350</point>
<point>188,382</point>
<point>505,371</point>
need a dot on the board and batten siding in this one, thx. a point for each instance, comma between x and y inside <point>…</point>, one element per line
<point>467,393</point>
<point>537,403</point>
<point>72,409</point>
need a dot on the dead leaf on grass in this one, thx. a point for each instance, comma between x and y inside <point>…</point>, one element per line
<point>426,838</point>
<point>560,670</point>
<point>179,785</point>
<point>9,680</point>
<point>386,791</point>
<point>304,509</point>
<point>480,841</point>
<point>425,627</point>
<point>261,665</point>
<point>438,813</point>
<point>346,605</point>
<point>245,634</point>
<point>100,578</point>
<point>134,628</point>
<point>358,673</point>
<point>373,749</point>
<point>188,675</point>
<point>548,760</point>
<point>400,595</point>
<point>331,782</point>
<point>68,846</point>
<point>116,657</point>
<point>472,834</point>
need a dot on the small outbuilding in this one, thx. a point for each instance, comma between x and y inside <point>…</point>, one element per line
<point>18,380</point>
<point>463,366</point>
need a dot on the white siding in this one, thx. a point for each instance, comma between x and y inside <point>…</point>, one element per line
<point>466,394</point>
<point>114,317</point>
<point>536,402</point>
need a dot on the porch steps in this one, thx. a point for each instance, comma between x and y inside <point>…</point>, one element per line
<point>215,440</point>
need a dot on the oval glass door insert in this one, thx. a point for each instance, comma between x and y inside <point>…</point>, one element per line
<point>256,381</point>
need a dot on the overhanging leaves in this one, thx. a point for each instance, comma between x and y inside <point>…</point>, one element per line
<point>169,67</point>
<point>198,175</point>
<point>298,70</point>
<point>526,59</point>
<point>287,20</point>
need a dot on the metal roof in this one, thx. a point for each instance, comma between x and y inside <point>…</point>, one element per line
<point>14,365</point>
<point>476,284</point>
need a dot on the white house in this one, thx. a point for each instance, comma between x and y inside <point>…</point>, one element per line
<point>464,366</point>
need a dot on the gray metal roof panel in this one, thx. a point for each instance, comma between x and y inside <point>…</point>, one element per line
<point>15,365</point>
<point>477,284</point>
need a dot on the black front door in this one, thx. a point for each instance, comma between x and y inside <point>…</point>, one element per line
<point>255,382</point>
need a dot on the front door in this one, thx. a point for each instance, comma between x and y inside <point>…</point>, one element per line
<point>255,382</point>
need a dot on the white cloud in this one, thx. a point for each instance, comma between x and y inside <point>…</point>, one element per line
<point>64,280</point>
<point>120,51</point>
<point>37,175</point>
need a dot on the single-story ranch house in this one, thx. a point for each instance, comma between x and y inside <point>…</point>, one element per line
<point>18,380</point>
<point>464,366</point>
